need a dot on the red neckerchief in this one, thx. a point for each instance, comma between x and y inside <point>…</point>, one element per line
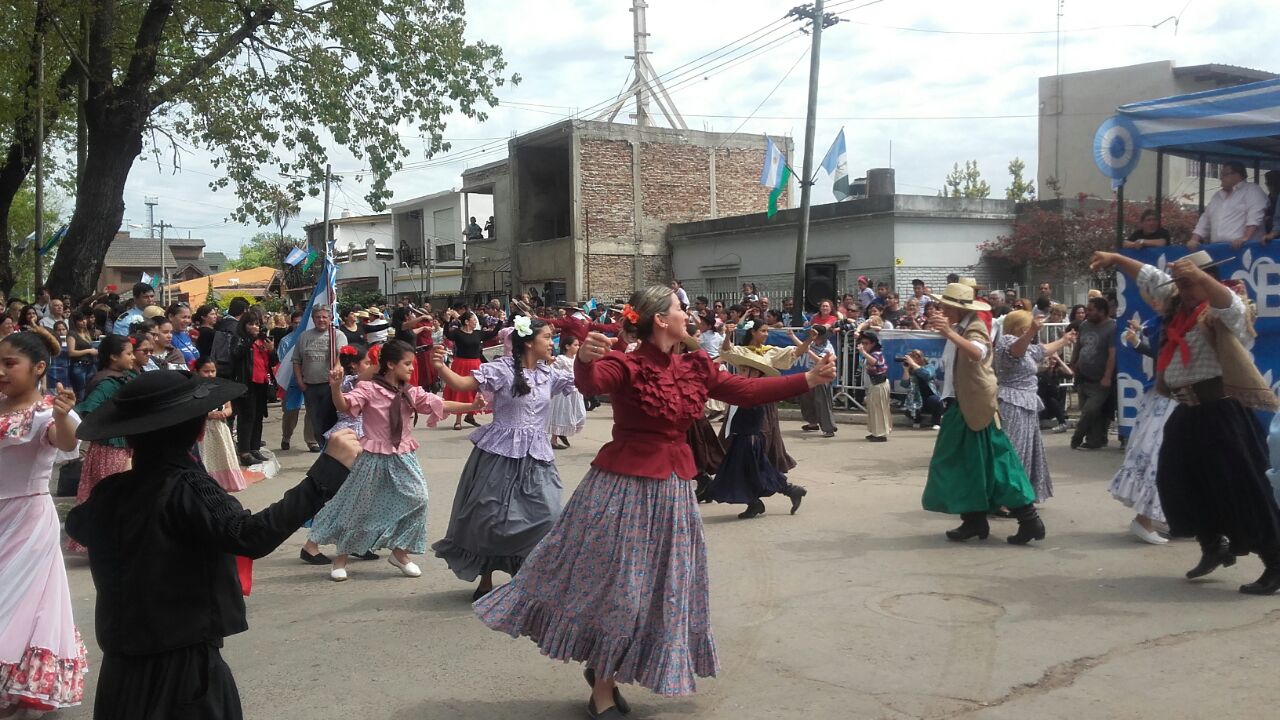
<point>1175,340</point>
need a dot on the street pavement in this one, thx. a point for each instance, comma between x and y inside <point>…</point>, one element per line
<point>856,607</point>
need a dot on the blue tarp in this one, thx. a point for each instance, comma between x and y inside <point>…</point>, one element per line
<point>1235,123</point>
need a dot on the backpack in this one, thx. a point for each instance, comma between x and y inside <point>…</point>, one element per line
<point>224,336</point>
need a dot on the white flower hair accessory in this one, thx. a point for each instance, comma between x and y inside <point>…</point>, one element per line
<point>749,325</point>
<point>523,325</point>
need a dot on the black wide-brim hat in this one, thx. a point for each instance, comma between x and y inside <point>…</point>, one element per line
<point>156,400</point>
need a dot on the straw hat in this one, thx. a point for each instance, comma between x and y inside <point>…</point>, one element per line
<point>968,281</point>
<point>751,360</point>
<point>959,295</point>
<point>152,311</point>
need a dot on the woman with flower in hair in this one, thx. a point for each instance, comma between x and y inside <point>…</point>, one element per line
<point>509,494</point>
<point>620,582</point>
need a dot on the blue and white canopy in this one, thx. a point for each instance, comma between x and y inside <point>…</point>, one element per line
<point>1235,123</point>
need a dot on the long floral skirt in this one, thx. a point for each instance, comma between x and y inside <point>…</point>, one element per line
<point>619,584</point>
<point>383,504</point>
<point>1135,481</point>
<point>1022,427</point>
<point>99,462</point>
<point>42,660</point>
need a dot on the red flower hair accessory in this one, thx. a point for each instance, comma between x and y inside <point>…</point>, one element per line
<point>133,341</point>
<point>374,353</point>
<point>630,314</point>
<point>348,350</point>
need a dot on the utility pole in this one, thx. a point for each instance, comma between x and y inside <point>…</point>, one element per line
<point>164,282</point>
<point>38,274</point>
<point>645,83</point>
<point>819,20</point>
<point>331,283</point>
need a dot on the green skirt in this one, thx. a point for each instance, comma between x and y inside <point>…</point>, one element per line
<point>974,471</point>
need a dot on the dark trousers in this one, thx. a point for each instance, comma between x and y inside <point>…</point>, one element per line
<point>933,406</point>
<point>815,408</point>
<point>1053,407</point>
<point>251,408</point>
<point>191,683</point>
<point>320,407</point>
<point>1095,415</point>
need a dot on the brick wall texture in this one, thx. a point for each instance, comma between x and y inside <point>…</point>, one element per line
<point>738,188</point>
<point>606,192</point>
<point>610,277</point>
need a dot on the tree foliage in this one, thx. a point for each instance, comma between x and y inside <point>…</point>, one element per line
<point>22,221</point>
<point>267,87</point>
<point>1019,190</point>
<point>966,182</point>
<point>264,249</point>
<point>1060,242</point>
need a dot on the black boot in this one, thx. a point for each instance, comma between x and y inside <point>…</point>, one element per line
<point>974,525</point>
<point>1269,583</point>
<point>796,493</point>
<point>1214,553</point>
<point>1030,526</point>
<point>754,508</point>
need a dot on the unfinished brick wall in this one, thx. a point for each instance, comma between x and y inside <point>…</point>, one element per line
<point>606,190</point>
<point>610,276</point>
<point>738,188</point>
<point>675,182</point>
<point>657,270</point>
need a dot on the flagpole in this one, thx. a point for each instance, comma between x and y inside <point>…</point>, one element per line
<point>329,293</point>
<point>806,178</point>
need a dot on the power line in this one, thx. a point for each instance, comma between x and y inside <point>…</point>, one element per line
<point>794,65</point>
<point>1002,33</point>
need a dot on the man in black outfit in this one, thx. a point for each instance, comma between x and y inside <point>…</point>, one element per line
<point>163,540</point>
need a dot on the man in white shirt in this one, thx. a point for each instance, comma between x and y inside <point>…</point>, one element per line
<point>54,315</point>
<point>1235,214</point>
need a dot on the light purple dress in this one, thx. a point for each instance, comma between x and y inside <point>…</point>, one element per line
<point>508,497</point>
<point>1020,407</point>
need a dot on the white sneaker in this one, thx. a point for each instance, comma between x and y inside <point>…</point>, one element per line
<point>338,574</point>
<point>1059,429</point>
<point>408,568</point>
<point>936,427</point>
<point>1145,535</point>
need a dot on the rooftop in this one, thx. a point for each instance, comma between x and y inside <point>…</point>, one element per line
<point>131,252</point>
<point>1223,74</point>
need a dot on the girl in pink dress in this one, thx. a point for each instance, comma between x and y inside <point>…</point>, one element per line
<point>42,661</point>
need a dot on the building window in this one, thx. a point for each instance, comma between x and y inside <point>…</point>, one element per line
<point>724,288</point>
<point>1211,170</point>
<point>446,253</point>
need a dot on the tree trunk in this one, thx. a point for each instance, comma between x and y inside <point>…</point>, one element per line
<point>113,146</point>
<point>12,173</point>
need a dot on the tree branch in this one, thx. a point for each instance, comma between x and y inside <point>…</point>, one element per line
<point>254,19</point>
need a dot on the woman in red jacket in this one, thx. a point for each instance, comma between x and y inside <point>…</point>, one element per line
<point>633,522</point>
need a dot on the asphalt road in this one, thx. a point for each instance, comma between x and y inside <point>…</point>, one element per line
<point>856,607</point>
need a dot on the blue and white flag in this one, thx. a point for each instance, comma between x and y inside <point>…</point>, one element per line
<point>836,163</point>
<point>295,256</point>
<point>771,174</point>
<point>146,278</point>
<point>325,292</point>
<point>25,243</point>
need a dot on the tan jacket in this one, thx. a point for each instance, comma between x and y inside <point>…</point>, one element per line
<point>975,382</point>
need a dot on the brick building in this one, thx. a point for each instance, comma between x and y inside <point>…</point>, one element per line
<point>581,208</point>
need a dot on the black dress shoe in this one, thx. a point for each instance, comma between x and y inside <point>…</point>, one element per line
<point>974,524</point>
<point>247,459</point>
<point>284,445</point>
<point>313,448</point>
<point>259,456</point>
<point>809,428</point>
<point>1211,561</point>
<point>754,508</point>
<point>366,555</point>
<point>565,441</point>
<point>618,701</point>
<point>471,420</point>
<point>796,493</point>
<point>1030,526</point>
<point>1268,584</point>
<point>317,559</point>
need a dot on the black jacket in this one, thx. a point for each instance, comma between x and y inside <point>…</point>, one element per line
<point>162,542</point>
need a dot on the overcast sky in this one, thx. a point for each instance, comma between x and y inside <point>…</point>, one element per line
<point>942,82</point>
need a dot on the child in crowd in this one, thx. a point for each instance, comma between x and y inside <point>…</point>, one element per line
<point>116,358</point>
<point>568,413</point>
<point>816,406</point>
<point>217,449</point>
<point>879,420</point>
<point>383,503</point>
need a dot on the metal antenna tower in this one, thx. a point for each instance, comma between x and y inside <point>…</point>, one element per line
<point>151,203</point>
<point>646,83</point>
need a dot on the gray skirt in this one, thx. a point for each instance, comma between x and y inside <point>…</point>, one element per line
<point>1023,428</point>
<point>502,509</point>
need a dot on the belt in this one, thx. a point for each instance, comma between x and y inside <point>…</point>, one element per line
<point>1205,391</point>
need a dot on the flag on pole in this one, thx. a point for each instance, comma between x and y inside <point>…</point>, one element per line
<point>311,258</point>
<point>836,163</point>
<point>295,256</point>
<point>25,243</point>
<point>776,174</point>
<point>53,241</point>
<point>146,279</point>
<point>325,290</point>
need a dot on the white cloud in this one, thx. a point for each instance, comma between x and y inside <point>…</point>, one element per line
<point>570,54</point>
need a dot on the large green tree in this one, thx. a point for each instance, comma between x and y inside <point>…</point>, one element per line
<point>265,86</point>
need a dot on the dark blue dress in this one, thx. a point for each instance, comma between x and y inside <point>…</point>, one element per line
<point>746,473</point>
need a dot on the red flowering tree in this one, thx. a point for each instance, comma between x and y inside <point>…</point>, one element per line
<point>1059,240</point>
